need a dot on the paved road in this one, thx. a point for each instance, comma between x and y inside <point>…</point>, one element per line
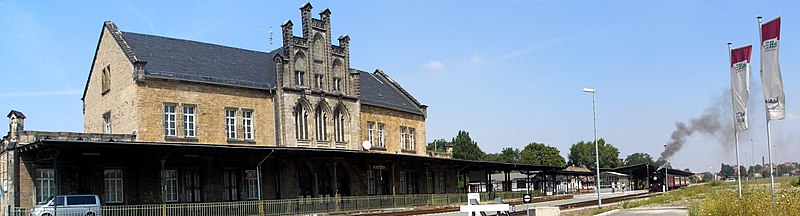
<point>576,198</point>
<point>668,211</point>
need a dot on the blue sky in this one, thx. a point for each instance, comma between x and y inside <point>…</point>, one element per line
<point>510,73</point>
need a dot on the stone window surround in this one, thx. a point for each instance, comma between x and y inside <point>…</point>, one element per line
<point>248,132</point>
<point>185,121</point>
<point>107,122</point>
<point>105,80</point>
<point>167,113</point>
<point>230,123</point>
<point>180,128</point>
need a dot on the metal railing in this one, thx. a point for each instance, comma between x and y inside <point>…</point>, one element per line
<point>286,206</point>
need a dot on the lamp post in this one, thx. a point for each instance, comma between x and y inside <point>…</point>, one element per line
<point>596,151</point>
<point>666,174</point>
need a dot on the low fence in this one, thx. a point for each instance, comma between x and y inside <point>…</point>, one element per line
<point>282,206</point>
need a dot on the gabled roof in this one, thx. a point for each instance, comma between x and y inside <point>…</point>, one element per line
<point>178,59</point>
<point>16,113</point>
<point>377,89</point>
<point>186,60</point>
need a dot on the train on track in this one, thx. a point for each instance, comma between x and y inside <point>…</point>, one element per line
<point>672,181</point>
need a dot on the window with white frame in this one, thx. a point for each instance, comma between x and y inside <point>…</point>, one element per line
<point>170,185</point>
<point>301,122</point>
<point>251,178</point>
<point>230,123</point>
<point>45,184</point>
<point>321,118</point>
<point>189,119</point>
<point>381,135</point>
<point>403,137</point>
<point>113,185</point>
<point>403,186</point>
<point>107,122</point>
<point>371,132</point>
<point>247,124</point>
<point>169,120</point>
<point>411,144</point>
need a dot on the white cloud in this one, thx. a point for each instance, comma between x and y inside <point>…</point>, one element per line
<point>433,65</point>
<point>476,59</point>
<point>793,116</point>
<point>40,93</point>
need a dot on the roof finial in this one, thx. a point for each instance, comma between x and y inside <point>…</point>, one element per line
<point>270,38</point>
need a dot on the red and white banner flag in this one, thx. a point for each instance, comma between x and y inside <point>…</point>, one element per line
<point>740,84</point>
<point>770,70</point>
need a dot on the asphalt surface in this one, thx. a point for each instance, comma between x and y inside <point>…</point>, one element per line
<point>667,211</point>
<point>576,198</point>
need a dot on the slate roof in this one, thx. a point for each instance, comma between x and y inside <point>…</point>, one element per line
<point>178,59</point>
<point>171,58</point>
<point>378,89</point>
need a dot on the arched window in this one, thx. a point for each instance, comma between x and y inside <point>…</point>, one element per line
<point>338,76</point>
<point>305,181</point>
<point>339,124</point>
<point>321,118</point>
<point>324,181</point>
<point>319,48</point>
<point>301,122</point>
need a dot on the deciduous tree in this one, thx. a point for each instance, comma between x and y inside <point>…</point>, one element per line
<point>538,153</point>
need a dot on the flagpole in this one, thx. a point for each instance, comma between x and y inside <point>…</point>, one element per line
<point>769,137</point>
<point>735,133</point>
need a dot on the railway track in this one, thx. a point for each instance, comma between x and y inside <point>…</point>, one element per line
<point>594,202</point>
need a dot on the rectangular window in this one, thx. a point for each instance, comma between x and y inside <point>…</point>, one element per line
<point>441,183</point>
<point>113,185</point>
<point>251,177</point>
<point>521,184</point>
<point>403,138</point>
<point>45,184</point>
<point>411,143</point>
<point>370,132</point>
<point>106,79</point>
<point>372,182</point>
<point>230,123</point>
<point>337,84</point>
<point>169,120</point>
<point>247,124</point>
<point>319,81</point>
<point>300,77</point>
<point>189,121</point>
<point>230,183</point>
<point>429,181</point>
<point>171,185</point>
<point>107,122</point>
<point>403,186</point>
<point>381,135</point>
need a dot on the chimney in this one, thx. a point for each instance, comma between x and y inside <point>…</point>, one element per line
<point>16,124</point>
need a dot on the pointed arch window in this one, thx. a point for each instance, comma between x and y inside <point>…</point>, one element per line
<point>339,125</point>
<point>321,118</point>
<point>301,122</point>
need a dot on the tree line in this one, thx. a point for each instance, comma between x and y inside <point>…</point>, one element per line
<point>580,154</point>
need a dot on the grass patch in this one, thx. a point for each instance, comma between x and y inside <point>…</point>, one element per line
<point>723,199</point>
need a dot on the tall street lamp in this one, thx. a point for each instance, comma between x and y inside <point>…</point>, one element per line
<point>596,151</point>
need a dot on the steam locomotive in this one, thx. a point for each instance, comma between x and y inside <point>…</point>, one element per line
<point>673,181</point>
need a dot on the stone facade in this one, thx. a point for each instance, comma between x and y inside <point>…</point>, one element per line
<point>210,103</point>
<point>314,83</point>
<point>120,98</point>
<point>392,122</point>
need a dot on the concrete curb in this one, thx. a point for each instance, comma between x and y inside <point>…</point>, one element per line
<point>607,213</point>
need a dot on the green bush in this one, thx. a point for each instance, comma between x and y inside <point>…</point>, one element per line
<point>715,183</point>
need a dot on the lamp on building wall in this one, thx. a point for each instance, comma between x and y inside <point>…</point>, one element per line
<point>596,151</point>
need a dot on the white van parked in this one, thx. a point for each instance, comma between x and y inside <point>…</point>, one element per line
<point>72,205</point>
